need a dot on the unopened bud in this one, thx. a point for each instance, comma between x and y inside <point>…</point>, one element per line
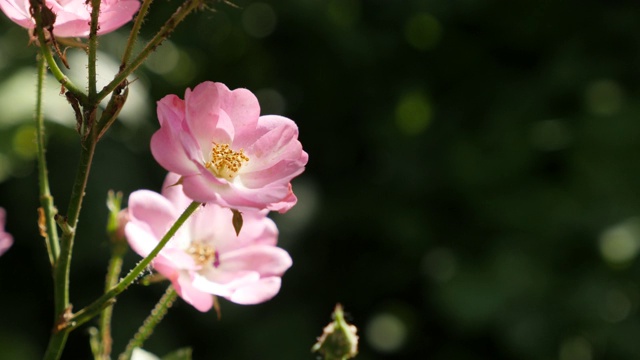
<point>338,340</point>
<point>117,218</point>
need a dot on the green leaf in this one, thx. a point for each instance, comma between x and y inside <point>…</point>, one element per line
<point>180,354</point>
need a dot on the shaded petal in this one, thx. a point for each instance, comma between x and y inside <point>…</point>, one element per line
<point>6,240</point>
<point>205,189</point>
<point>173,192</point>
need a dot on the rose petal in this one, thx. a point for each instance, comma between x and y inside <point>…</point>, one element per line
<point>257,292</point>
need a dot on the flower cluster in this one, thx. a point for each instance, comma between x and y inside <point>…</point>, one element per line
<point>222,153</point>
<point>6,240</point>
<point>72,17</point>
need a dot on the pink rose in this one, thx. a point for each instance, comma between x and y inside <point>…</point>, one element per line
<point>225,151</point>
<point>6,240</point>
<point>73,16</point>
<point>206,257</point>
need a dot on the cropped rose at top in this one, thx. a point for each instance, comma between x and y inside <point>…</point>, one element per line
<point>225,151</point>
<point>6,240</point>
<point>73,16</point>
<point>206,257</point>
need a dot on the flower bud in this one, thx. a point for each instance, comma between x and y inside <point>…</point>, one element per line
<point>338,340</point>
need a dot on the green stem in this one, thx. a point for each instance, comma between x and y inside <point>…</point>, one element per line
<point>146,329</point>
<point>56,345</point>
<point>62,267</point>
<point>113,273</point>
<point>93,47</point>
<point>133,36</point>
<point>95,307</point>
<point>46,200</point>
<point>53,66</point>
<point>164,32</point>
<point>73,212</point>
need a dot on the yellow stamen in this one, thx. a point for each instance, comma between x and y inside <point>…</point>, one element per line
<point>225,163</point>
<point>202,253</point>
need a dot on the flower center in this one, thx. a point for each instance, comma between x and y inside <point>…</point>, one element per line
<point>225,163</point>
<point>204,254</point>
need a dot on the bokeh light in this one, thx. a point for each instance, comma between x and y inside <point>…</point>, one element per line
<point>386,332</point>
<point>422,31</point>
<point>620,243</point>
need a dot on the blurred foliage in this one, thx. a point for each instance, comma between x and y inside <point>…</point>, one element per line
<point>472,190</point>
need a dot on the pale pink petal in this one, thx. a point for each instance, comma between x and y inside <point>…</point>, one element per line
<point>140,238</point>
<point>202,301</point>
<point>280,172</point>
<point>256,230</point>
<point>204,116</point>
<point>245,198</point>
<point>229,280</point>
<point>171,145</point>
<point>116,15</point>
<point>243,109</point>
<point>153,209</point>
<point>212,222</point>
<point>170,154</point>
<point>286,204</point>
<point>73,16</point>
<point>172,190</point>
<point>273,134</point>
<point>266,260</point>
<point>18,12</point>
<point>204,189</point>
<point>257,292</point>
<point>215,287</point>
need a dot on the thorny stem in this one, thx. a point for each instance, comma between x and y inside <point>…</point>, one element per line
<point>164,32</point>
<point>63,264</point>
<point>92,309</point>
<point>133,36</point>
<point>113,273</point>
<point>146,329</point>
<point>51,62</point>
<point>93,48</point>
<point>46,200</point>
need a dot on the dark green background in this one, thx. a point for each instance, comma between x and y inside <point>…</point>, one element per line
<point>469,162</point>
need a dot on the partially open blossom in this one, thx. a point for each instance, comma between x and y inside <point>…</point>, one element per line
<point>206,257</point>
<point>6,240</point>
<point>225,151</point>
<point>73,16</point>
